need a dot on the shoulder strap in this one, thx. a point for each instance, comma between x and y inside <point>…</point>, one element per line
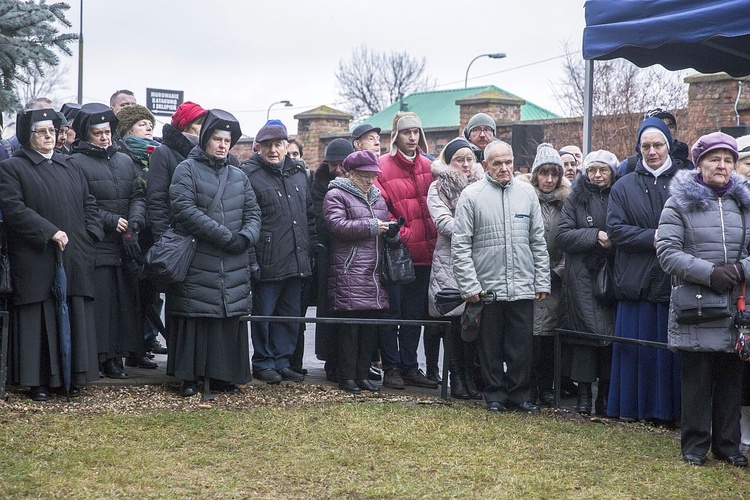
<point>219,192</point>
<point>632,163</point>
<point>744,229</point>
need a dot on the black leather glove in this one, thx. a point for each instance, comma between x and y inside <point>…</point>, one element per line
<point>392,231</point>
<point>130,244</point>
<point>237,244</point>
<point>724,278</point>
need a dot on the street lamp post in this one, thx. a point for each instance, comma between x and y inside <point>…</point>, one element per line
<point>286,104</point>
<point>498,55</point>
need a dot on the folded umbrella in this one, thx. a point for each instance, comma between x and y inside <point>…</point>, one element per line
<point>447,300</point>
<point>60,293</point>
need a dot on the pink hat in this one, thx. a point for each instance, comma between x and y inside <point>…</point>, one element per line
<point>362,161</point>
<point>709,142</point>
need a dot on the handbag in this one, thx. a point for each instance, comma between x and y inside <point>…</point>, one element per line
<point>604,286</point>
<point>168,260</point>
<point>5,286</point>
<point>694,303</point>
<point>396,267</point>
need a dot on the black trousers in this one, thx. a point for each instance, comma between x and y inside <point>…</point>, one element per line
<point>711,393</point>
<point>506,336</point>
<point>356,343</point>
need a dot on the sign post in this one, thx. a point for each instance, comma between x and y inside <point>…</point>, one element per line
<point>163,102</point>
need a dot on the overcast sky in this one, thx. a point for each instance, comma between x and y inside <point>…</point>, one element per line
<point>242,56</point>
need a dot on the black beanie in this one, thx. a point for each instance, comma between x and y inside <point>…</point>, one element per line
<point>338,149</point>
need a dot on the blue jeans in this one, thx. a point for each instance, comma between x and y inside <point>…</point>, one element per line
<point>398,344</point>
<point>274,343</point>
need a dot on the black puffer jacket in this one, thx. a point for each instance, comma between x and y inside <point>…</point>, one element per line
<point>318,190</point>
<point>218,283</point>
<point>584,214</point>
<point>174,149</point>
<point>115,183</point>
<point>288,221</point>
<point>635,204</point>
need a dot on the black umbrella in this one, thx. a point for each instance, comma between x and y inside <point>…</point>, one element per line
<point>742,322</point>
<point>60,293</point>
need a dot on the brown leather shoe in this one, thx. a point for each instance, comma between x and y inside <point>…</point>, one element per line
<point>416,378</point>
<point>392,378</point>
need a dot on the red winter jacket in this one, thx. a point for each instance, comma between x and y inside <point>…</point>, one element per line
<point>403,185</point>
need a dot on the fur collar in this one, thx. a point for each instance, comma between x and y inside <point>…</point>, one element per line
<point>174,139</point>
<point>560,194</point>
<point>347,185</point>
<point>691,196</point>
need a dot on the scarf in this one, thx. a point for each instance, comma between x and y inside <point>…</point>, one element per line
<point>451,183</point>
<point>141,148</point>
<point>719,191</point>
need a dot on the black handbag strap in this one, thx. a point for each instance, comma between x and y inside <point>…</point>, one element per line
<point>220,191</point>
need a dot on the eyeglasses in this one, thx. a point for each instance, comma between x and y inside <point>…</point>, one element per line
<point>44,131</point>
<point>592,171</point>
<point>482,130</point>
<point>462,160</point>
<point>656,145</point>
<point>365,176</point>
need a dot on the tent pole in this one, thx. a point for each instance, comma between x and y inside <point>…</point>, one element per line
<point>588,105</point>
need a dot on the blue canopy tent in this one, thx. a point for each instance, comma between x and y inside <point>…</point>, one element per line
<point>707,35</point>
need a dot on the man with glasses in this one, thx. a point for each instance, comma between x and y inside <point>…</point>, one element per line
<point>480,131</point>
<point>366,137</point>
<point>678,149</point>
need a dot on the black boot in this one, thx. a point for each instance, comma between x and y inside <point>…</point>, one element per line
<point>601,397</point>
<point>432,354</point>
<point>583,406</point>
<point>458,384</point>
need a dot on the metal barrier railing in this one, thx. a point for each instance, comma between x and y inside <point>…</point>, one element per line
<point>446,325</point>
<point>593,336</point>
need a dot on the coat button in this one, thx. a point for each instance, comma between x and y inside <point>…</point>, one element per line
<point>294,222</point>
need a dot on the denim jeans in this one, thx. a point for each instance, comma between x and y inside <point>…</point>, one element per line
<point>398,344</point>
<point>274,343</point>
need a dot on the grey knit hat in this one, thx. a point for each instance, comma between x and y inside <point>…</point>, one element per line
<point>481,120</point>
<point>546,155</point>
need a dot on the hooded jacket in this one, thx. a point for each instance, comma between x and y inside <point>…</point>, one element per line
<point>584,214</point>
<point>546,311</point>
<point>404,185</point>
<point>498,241</point>
<point>354,271</point>
<point>288,221</point>
<point>698,231</point>
<point>115,182</point>
<point>442,211</point>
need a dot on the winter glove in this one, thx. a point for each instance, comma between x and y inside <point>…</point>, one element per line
<point>237,244</point>
<point>392,231</point>
<point>130,244</point>
<point>724,278</point>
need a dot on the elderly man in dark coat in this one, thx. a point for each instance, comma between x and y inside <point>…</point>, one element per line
<point>46,208</point>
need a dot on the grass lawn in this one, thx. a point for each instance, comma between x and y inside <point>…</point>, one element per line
<point>312,442</point>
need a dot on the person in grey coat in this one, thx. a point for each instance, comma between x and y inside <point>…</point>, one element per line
<point>498,247</point>
<point>703,238</point>
<point>207,338</point>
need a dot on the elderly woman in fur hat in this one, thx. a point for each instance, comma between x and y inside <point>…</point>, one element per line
<point>703,243</point>
<point>455,169</point>
<point>552,189</point>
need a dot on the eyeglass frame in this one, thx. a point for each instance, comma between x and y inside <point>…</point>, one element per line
<point>44,131</point>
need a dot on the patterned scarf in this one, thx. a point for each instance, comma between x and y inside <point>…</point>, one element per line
<point>141,148</point>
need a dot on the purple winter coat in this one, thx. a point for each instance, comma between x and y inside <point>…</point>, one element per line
<point>354,272</point>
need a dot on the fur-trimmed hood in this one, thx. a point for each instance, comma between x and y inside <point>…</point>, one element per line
<point>561,193</point>
<point>176,140</point>
<point>692,196</point>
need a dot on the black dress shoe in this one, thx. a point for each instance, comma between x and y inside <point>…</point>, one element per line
<point>269,376</point>
<point>349,385</point>
<point>140,362</point>
<point>74,391</point>
<point>525,407</point>
<point>300,370</point>
<point>494,407</point>
<point>693,459</point>
<point>112,369</point>
<point>40,393</point>
<point>222,386</point>
<point>738,460</point>
<point>547,398</point>
<point>367,385</point>
<point>188,389</point>
<point>289,374</point>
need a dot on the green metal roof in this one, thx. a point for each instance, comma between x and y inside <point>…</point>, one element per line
<point>438,108</point>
